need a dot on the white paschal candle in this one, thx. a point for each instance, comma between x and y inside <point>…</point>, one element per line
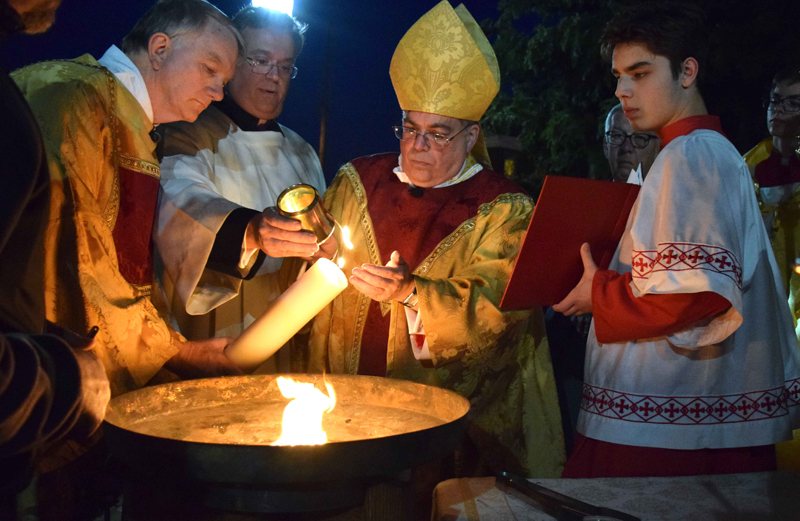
<point>318,286</point>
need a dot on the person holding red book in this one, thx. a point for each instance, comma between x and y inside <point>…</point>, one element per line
<point>692,363</point>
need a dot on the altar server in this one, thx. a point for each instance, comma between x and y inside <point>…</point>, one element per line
<point>692,365</point>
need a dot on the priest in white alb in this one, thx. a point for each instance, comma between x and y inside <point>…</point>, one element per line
<point>218,236</point>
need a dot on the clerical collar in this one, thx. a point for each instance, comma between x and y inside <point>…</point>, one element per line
<point>129,75</point>
<point>468,170</point>
<point>688,125</point>
<point>243,119</point>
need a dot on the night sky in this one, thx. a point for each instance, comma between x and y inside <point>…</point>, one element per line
<point>357,36</point>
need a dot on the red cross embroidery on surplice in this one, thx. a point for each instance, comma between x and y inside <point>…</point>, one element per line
<point>684,256</point>
<point>792,392</point>
<point>688,410</point>
<point>672,410</point>
<point>640,264</point>
<point>722,262</point>
<point>697,410</point>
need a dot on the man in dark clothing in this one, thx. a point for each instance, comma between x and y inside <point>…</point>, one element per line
<point>47,389</point>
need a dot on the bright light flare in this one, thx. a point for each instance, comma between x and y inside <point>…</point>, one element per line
<point>340,262</point>
<point>284,6</point>
<point>302,417</point>
<point>346,237</point>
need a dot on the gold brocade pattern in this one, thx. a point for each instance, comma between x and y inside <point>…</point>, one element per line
<point>783,220</point>
<point>445,65</point>
<point>351,174</point>
<point>499,360</point>
<point>111,210</point>
<point>89,121</point>
<point>137,165</point>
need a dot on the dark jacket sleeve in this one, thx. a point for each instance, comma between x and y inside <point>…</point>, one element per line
<point>225,252</point>
<point>39,398</point>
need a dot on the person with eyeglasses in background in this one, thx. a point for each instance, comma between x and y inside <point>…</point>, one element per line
<point>220,238</point>
<point>775,169</point>
<point>436,233</point>
<point>627,150</point>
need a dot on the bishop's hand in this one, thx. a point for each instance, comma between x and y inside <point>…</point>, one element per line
<point>579,300</point>
<point>391,282</point>
<point>279,236</point>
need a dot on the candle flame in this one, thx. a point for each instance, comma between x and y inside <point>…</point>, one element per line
<point>340,262</point>
<point>346,237</point>
<point>302,417</point>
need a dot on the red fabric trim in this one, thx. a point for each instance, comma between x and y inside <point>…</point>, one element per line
<point>771,172</point>
<point>691,410</point>
<point>619,316</point>
<point>688,125</point>
<point>685,256</point>
<point>599,459</point>
<point>374,341</point>
<point>133,229</point>
<point>414,226</point>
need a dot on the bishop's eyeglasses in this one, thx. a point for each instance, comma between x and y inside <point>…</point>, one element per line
<point>616,138</point>
<point>434,139</point>
<point>286,72</point>
<point>789,104</point>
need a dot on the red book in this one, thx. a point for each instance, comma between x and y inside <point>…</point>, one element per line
<point>569,212</point>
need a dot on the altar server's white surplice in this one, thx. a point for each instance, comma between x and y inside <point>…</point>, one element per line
<point>731,382</point>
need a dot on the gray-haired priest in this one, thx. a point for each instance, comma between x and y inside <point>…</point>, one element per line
<point>221,176</point>
<point>96,117</point>
<point>436,234</point>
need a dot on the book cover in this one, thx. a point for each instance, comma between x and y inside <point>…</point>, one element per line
<point>569,212</point>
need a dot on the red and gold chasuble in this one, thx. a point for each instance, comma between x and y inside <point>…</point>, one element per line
<point>105,182</point>
<point>462,252</point>
<point>413,226</point>
<point>138,194</point>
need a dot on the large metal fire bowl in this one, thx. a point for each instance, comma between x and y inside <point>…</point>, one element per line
<point>219,432</point>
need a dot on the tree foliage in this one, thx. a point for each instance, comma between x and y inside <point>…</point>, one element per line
<point>557,90</point>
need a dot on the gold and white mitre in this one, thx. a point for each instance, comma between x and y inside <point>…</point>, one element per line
<point>445,65</point>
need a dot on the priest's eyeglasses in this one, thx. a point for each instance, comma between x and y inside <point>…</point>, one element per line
<point>638,139</point>
<point>434,139</point>
<point>286,72</point>
<point>789,104</point>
